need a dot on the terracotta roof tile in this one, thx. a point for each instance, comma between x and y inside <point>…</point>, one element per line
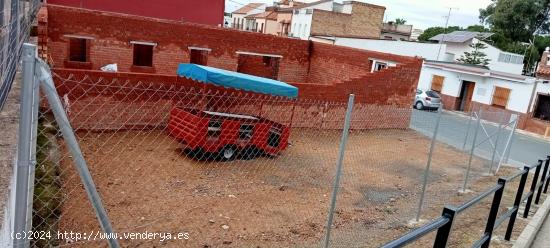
<point>247,8</point>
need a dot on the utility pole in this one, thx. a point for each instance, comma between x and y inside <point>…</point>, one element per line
<point>444,32</point>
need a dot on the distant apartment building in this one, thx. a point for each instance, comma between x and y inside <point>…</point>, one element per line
<point>394,31</point>
<point>327,18</point>
<point>239,16</point>
<point>209,12</point>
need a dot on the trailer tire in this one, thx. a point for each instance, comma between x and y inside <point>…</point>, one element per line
<point>251,152</point>
<point>228,152</point>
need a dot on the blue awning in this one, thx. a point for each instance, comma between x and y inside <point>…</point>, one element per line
<point>236,80</point>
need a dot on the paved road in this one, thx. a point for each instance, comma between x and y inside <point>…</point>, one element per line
<point>525,149</point>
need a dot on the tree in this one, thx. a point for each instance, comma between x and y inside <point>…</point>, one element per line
<point>400,21</point>
<point>517,20</point>
<point>433,31</point>
<point>475,57</point>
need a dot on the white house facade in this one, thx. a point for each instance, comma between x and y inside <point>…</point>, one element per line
<point>302,18</point>
<point>459,42</point>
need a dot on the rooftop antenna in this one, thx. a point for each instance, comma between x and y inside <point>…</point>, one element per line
<point>444,31</point>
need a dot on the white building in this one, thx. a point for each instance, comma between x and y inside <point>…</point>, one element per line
<point>239,20</point>
<point>427,51</point>
<point>302,17</point>
<point>459,42</point>
<point>416,33</point>
<point>468,87</point>
<point>393,31</point>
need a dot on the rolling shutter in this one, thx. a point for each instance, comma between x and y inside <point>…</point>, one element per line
<point>500,97</point>
<point>437,83</point>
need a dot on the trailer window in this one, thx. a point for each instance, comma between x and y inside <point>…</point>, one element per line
<point>274,137</point>
<point>214,129</point>
<point>246,131</point>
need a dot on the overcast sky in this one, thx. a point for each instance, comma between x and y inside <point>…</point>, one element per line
<point>420,13</point>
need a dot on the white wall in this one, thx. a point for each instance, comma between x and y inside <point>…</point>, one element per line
<point>518,101</point>
<point>424,50</point>
<point>520,93</point>
<point>301,23</point>
<point>492,53</point>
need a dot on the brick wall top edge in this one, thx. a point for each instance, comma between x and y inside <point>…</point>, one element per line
<point>54,7</point>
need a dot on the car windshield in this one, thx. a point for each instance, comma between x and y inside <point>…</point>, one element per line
<point>432,94</point>
<point>418,92</point>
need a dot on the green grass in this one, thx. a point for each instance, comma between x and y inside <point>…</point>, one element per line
<point>47,189</point>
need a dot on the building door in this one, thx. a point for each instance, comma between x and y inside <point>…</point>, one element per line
<point>466,94</point>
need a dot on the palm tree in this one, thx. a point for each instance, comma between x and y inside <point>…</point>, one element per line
<point>400,21</point>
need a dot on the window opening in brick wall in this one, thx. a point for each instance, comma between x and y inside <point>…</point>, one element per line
<point>378,66</point>
<point>198,56</point>
<point>143,55</point>
<point>78,49</point>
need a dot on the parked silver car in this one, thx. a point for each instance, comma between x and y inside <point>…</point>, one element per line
<point>427,100</point>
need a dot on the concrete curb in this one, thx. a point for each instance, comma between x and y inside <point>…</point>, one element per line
<point>528,234</point>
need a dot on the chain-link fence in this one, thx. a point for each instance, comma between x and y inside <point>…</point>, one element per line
<point>172,163</point>
<point>16,19</point>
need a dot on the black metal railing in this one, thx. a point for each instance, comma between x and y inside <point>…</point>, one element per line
<point>444,224</point>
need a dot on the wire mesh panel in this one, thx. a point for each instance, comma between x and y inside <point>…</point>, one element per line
<point>177,164</point>
<point>216,167</point>
<point>16,19</point>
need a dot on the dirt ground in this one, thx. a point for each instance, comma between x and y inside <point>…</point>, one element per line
<point>147,184</point>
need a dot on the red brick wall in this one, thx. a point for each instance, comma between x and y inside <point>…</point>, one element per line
<point>100,100</point>
<point>112,33</point>
<point>321,72</point>
<point>449,102</point>
<point>331,64</point>
<point>258,66</point>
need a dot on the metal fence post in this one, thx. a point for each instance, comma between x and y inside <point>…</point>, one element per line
<point>509,143</point>
<point>496,144</point>
<point>468,130</point>
<point>429,163</point>
<point>339,162</point>
<point>542,179</point>
<point>472,152</point>
<point>24,148</point>
<point>546,183</point>
<point>517,202</point>
<point>532,190</point>
<point>493,213</point>
<point>508,146</point>
<point>442,236</point>
<point>80,163</point>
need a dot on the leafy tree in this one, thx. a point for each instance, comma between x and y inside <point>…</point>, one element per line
<point>400,21</point>
<point>517,20</point>
<point>477,28</point>
<point>475,57</point>
<point>433,31</point>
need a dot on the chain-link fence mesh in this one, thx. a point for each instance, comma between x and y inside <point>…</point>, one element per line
<point>16,18</point>
<point>219,167</point>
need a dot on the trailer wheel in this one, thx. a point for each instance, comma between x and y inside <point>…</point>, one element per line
<point>251,153</point>
<point>228,152</point>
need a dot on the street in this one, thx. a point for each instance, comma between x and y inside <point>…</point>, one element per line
<point>525,149</point>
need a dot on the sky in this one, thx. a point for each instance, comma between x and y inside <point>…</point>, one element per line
<point>420,13</point>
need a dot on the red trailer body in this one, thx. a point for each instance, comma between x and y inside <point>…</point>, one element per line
<point>227,134</point>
